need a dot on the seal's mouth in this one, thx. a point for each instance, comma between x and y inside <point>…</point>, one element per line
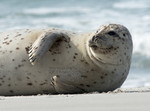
<point>102,50</point>
<point>93,46</point>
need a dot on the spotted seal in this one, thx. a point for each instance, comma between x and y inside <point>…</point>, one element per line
<point>44,61</point>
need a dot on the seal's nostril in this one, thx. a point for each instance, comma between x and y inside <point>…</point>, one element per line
<point>93,38</point>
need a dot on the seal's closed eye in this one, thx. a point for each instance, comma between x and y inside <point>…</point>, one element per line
<point>111,33</point>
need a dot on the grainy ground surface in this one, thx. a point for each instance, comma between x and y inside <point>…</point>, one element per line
<point>137,99</point>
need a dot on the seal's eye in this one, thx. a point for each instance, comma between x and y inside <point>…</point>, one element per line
<point>112,33</point>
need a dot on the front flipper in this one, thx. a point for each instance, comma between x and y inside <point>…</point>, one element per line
<point>42,45</point>
<point>65,87</point>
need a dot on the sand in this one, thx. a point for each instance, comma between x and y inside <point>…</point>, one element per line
<point>137,99</point>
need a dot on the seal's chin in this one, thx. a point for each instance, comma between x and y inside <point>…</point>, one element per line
<point>101,56</point>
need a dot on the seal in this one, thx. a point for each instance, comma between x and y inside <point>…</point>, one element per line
<point>50,61</point>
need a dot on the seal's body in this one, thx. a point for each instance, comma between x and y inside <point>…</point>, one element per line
<point>58,61</point>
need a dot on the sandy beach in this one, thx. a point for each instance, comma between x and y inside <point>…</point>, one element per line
<point>137,99</point>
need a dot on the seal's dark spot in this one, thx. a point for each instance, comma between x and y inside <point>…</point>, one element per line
<point>94,82</point>
<point>43,83</point>
<point>1,66</point>
<point>123,39</point>
<point>81,84</point>
<point>125,71</point>
<point>102,77</point>
<point>18,35</point>
<point>7,43</point>
<point>27,49</point>
<point>23,60</point>
<point>105,74</point>
<point>83,76</point>
<point>3,81</point>
<point>88,85</point>
<point>86,62</point>
<point>1,78</point>
<point>124,35</point>
<point>92,70</point>
<point>74,57</point>
<point>29,84</point>
<point>120,60</point>
<point>76,53</point>
<point>6,38</point>
<point>114,40</point>
<point>11,91</point>
<point>82,60</point>
<point>115,48</point>
<point>27,77</point>
<point>20,65</point>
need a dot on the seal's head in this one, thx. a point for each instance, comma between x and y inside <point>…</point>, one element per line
<point>111,44</point>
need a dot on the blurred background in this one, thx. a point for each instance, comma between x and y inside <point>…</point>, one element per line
<point>87,15</point>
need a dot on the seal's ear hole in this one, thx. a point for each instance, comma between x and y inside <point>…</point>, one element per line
<point>111,33</point>
<point>124,35</point>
